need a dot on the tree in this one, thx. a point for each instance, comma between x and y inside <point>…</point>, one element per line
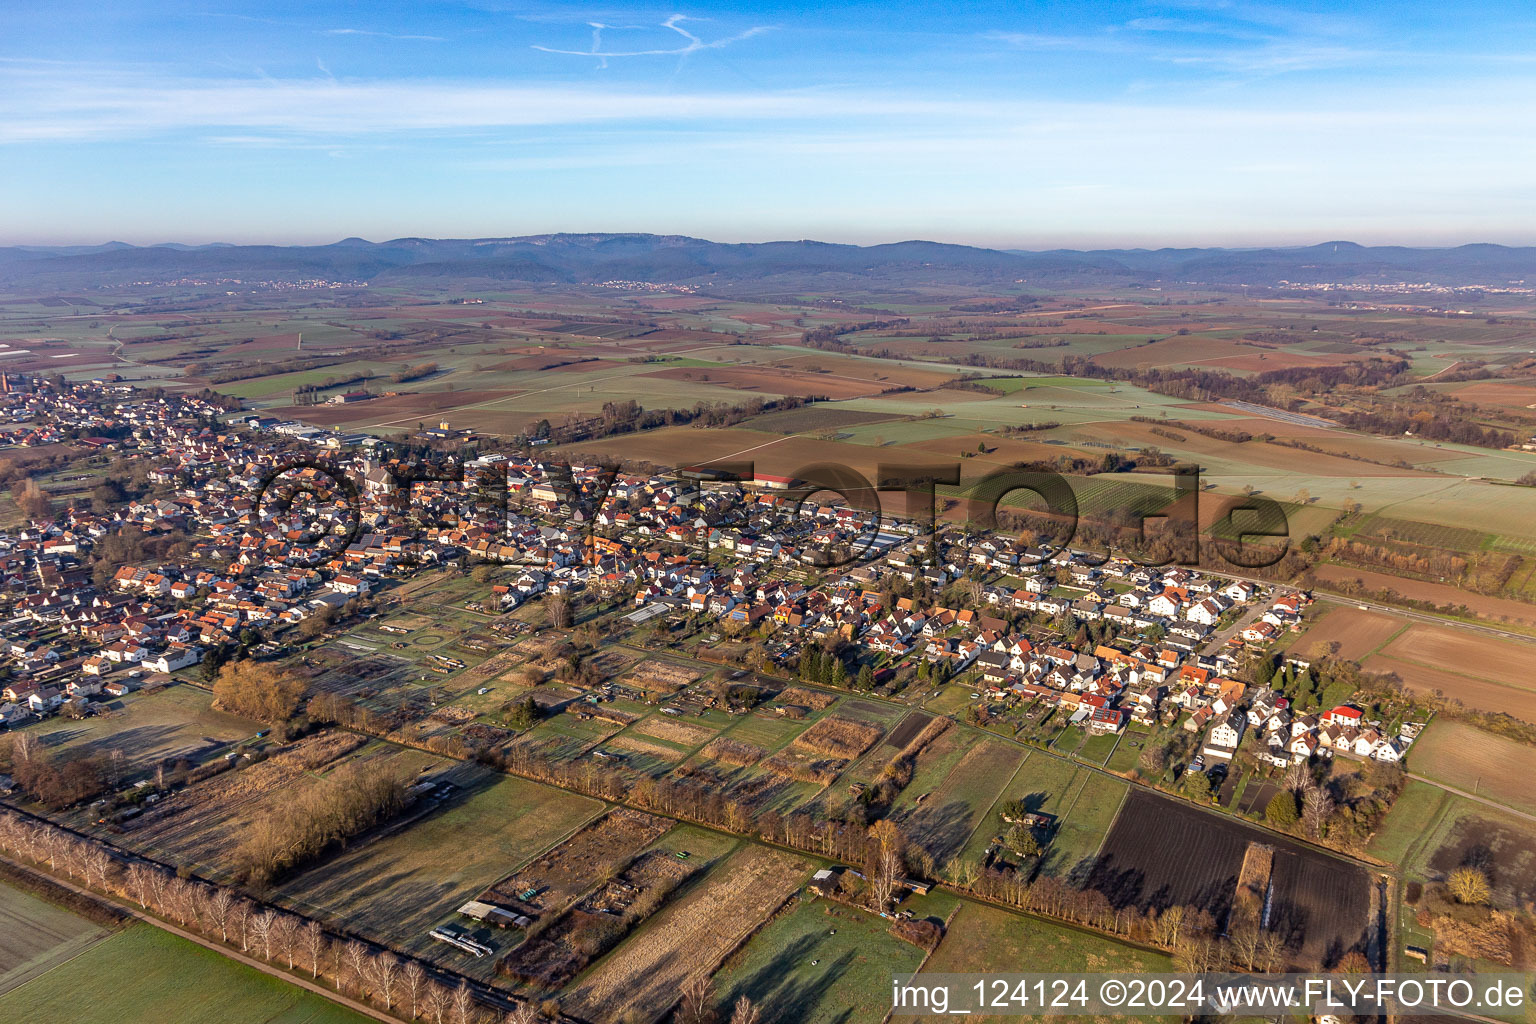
<point>885,861</point>
<point>314,946</point>
<point>1469,886</point>
<point>698,1002</point>
<point>1316,809</point>
<point>558,607</point>
<point>1021,841</point>
<point>745,1013</point>
<point>258,691</point>
<point>1281,811</point>
<point>386,976</point>
<point>415,977</point>
<point>1198,786</point>
<point>1154,760</point>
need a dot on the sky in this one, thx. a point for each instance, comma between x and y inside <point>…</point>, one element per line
<point>1016,125</point>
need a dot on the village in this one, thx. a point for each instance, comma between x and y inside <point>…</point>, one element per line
<point>242,569</point>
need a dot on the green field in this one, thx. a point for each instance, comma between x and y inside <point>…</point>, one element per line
<point>397,888</point>
<point>983,939</point>
<point>36,936</point>
<point>1416,810</point>
<point>146,976</point>
<point>819,963</point>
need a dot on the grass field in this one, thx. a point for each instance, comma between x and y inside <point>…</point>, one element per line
<point>178,722</point>
<point>1416,809</point>
<point>36,936</point>
<point>146,976</point>
<point>819,963</point>
<point>400,886</point>
<point>980,938</point>
<point>1478,762</point>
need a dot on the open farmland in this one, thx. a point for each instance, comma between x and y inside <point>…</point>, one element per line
<point>143,975</point>
<point>1469,759</point>
<point>819,963</point>
<point>36,936</point>
<point>1164,853</point>
<point>984,939</point>
<point>1346,632</point>
<point>397,886</point>
<point>1472,834</point>
<point>646,971</point>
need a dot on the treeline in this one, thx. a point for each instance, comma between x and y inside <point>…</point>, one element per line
<point>416,372</point>
<point>53,781</point>
<point>353,799</point>
<point>1444,426</point>
<point>398,985</point>
<point>831,336</point>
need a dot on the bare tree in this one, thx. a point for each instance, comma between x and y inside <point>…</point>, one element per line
<point>285,937</point>
<point>220,903</point>
<point>314,945</point>
<point>139,885</point>
<point>698,1003</point>
<point>437,1002</point>
<point>464,1011</point>
<point>98,866</point>
<point>1316,809</point>
<point>261,927</point>
<point>386,977</point>
<point>745,1013</point>
<point>415,979</point>
<point>355,955</point>
<point>241,918</point>
<point>527,1013</point>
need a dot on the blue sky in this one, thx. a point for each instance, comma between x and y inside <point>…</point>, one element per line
<point>1030,125</point>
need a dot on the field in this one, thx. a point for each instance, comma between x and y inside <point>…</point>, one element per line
<point>146,976</point>
<point>36,937</point>
<point>984,939</point>
<point>1162,853</point>
<point>1467,833</point>
<point>1478,762</point>
<point>819,963</point>
<point>1415,809</point>
<point>1492,609</point>
<point>692,934</point>
<point>399,886</point>
<point>177,723</point>
<point>1356,633</point>
<point>957,779</point>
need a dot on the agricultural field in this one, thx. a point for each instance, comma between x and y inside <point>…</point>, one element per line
<point>984,939</point>
<point>1467,758</point>
<point>695,932</point>
<point>819,963</point>
<point>397,886</point>
<point>1468,833</point>
<point>140,976</point>
<point>1162,853</point>
<point>1345,632</point>
<point>36,937</point>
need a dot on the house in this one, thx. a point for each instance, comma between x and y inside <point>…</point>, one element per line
<point>177,656</point>
<point>1343,715</point>
<point>1229,731</point>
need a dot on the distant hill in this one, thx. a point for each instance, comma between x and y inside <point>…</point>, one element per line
<point>753,268</point>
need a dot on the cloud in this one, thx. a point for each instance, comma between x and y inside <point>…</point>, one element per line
<point>380,35</point>
<point>674,23</point>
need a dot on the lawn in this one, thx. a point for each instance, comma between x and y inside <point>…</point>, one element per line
<point>819,963</point>
<point>147,976</point>
<point>400,886</point>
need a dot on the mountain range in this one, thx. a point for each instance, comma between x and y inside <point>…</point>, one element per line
<point>756,268</point>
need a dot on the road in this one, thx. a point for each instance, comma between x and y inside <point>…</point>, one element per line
<point>1244,620</point>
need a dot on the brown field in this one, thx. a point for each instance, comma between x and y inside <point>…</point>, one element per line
<point>1217,353</point>
<point>574,866</point>
<point>652,675</point>
<point>1482,694</point>
<point>640,745</point>
<point>1496,609</point>
<point>813,699</point>
<point>734,752</point>
<point>1356,632</point>
<point>646,972</point>
<point>687,733</point>
<point>1254,453</point>
<point>804,767</point>
<point>839,737</point>
<point>1458,650</point>
<point>420,403</point>
<point>1475,761</point>
<point>1517,395</point>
